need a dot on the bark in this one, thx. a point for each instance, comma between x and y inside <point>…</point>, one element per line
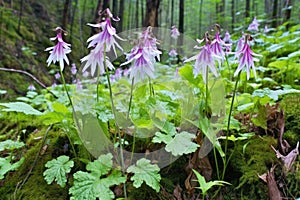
<point>129,17</point>
<point>274,13</point>
<point>152,13</point>
<point>172,12</point>
<point>72,20</point>
<point>181,16</point>
<point>137,13</point>
<point>247,9</point>
<point>232,15</point>
<point>121,12</point>
<point>106,4</point>
<point>288,11</point>
<point>115,11</point>
<point>200,16</point>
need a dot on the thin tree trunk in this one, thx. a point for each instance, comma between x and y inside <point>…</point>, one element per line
<point>181,16</point>
<point>143,13</point>
<point>72,20</point>
<point>137,13</point>
<point>232,15</point>
<point>247,9</point>
<point>172,12</point>
<point>121,12</point>
<point>114,11</point>
<point>152,13</point>
<point>129,16</point>
<point>274,13</point>
<point>288,11</point>
<point>65,14</point>
<point>106,4</point>
<point>200,16</point>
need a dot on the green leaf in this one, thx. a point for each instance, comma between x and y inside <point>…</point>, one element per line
<point>91,186</point>
<point>57,170</point>
<point>205,186</point>
<point>3,91</point>
<point>6,166</point>
<point>10,145</point>
<point>146,172</point>
<point>20,107</point>
<point>182,144</point>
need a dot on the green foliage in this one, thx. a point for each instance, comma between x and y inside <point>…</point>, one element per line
<point>57,170</point>
<point>92,185</point>
<point>10,145</point>
<point>20,107</point>
<point>146,172</point>
<point>176,143</point>
<point>6,166</point>
<point>205,186</point>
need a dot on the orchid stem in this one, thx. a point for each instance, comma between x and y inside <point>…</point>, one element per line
<point>116,123</point>
<point>73,109</point>
<point>128,113</point>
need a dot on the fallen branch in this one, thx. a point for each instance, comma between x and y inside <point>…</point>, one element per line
<point>31,76</point>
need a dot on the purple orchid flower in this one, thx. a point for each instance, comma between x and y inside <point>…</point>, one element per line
<point>58,53</point>
<point>254,25</point>
<point>246,59</point>
<point>174,32</point>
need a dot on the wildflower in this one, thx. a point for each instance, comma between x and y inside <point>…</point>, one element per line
<point>203,60</point>
<point>254,25</point>
<point>246,59</point>
<point>125,72</point>
<point>57,75</point>
<point>58,53</point>
<point>31,87</point>
<point>94,59</point>
<point>240,44</point>
<point>266,29</point>
<point>217,48</point>
<point>54,85</point>
<point>118,73</point>
<point>85,74</point>
<point>174,32</point>
<point>73,69</point>
<point>142,56</point>
<point>142,64</point>
<point>173,53</point>
<point>227,40</point>
<point>106,36</point>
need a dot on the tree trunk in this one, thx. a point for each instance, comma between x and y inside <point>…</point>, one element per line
<point>72,20</point>
<point>121,11</point>
<point>181,16</point>
<point>137,13</point>
<point>129,17</point>
<point>274,13</point>
<point>232,15</point>
<point>106,4</point>
<point>247,9</point>
<point>288,11</point>
<point>114,11</point>
<point>200,16</point>
<point>152,13</point>
<point>172,12</point>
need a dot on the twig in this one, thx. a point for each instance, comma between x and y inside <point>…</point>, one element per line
<point>31,76</point>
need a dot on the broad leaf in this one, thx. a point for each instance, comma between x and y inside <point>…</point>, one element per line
<point>57,170</point>
<point>205,186</point>
<point>182,144</point>
<point>20,107</point>
<point>10,145</point>
<point>91,185</point>
<point>146,172</point>
<point>6,166</point>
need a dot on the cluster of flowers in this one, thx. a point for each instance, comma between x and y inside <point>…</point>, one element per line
<point>144,54</point>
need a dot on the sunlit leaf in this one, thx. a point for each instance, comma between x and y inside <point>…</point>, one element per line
<point>20,107</point>
<point>58,169</point>
<point>10,145</point>
<point>146,172</point>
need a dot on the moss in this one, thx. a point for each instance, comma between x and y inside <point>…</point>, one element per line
<point>291,106</point>
<point>35,187</point>
<point>249,159</point>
